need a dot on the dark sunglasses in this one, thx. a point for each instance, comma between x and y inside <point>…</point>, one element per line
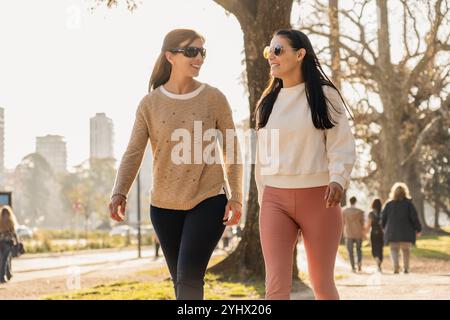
<point>277,50</point>
<point>190,52</point>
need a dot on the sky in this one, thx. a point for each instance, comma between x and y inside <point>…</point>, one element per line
<point>60,64</point>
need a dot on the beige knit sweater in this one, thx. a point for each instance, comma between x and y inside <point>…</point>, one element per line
<point>181,186</point>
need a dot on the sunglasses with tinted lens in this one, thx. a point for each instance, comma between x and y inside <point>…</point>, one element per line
<point>190,52</point>
<point>277,50</point>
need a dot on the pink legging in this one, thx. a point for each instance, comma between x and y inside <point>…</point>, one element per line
<point>285,213</point>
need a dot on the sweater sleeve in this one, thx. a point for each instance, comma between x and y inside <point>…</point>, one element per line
<point>340,143</point>
<point>232,162</point>
<point>132,158</point>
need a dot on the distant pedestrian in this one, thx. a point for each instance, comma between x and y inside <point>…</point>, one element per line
<point>376,232</point>
<point>401,225</point>
<point>353,219</point>
<point>227,237</point>
<point>8,239</point>
<point>157,245</point>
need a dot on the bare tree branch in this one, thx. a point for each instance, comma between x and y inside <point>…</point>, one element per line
<point>431,42</point>
<point>421,138</point>
<point>362,35</point>
<point>367,65</point>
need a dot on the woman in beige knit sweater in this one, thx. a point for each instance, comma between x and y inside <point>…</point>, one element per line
<point>191,201</point>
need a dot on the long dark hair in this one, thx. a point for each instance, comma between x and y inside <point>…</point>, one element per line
<point>163,68</point>
<point>376,206</point>
<point>314,77</point>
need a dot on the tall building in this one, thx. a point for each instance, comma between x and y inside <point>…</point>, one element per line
<point>2,139</point>
<point>2,145</point>
<point>102,137</point>
<point>53,149</point>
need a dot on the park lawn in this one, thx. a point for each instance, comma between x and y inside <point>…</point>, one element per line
<point>430,246</point>
<point>162,289</point>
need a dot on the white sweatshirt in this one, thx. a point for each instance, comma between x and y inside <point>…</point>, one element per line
<point>306,157</point>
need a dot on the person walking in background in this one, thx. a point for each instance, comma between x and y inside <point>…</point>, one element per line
<point>301,186</point>
<point>376,232</point>
<point>156,244</point>
<point>353,219</point>
<point>227,238</point>
<point>401,225</point>
<point>8,239</point>
<point>194,195</point>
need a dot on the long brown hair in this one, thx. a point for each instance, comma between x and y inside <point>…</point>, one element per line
<point>8,221</point>
<point>163,68</point>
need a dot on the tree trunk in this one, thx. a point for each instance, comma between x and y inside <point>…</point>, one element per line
<point>436,216</point>
<point>413,181</point>
<point>258,20</point>
<point>336,73</point>
<point>396,142</point>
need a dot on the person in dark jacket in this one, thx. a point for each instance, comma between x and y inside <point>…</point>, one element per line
<point>401,225</point>
<point>376,232</point>
<point>8,239</point>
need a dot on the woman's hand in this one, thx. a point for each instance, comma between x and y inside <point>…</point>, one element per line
<point>333,194</point>
<point>235,208</point>
<point>117,207</point>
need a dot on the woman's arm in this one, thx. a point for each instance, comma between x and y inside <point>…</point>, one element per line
<point>132,158</point>
<point>369,223</point>
<point>384,215</point>
<point>129,166</point>
<point>230,149</point>
<point>340,142</point>
<point>414,217</point>
<point>16,237</point>
<point>258,178</point>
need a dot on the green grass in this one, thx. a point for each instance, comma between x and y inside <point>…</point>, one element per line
<point>435,247</point>
<point>46,241</point>
<point>215,289</point>
<point>431,247</point>
<point>163,290</point>
<point>159,287</point>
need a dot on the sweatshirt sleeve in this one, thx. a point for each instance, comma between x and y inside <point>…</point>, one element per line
<point>258,177</point>
<point>340,142</point>
<point>232,162</point>
<point>132,158</point>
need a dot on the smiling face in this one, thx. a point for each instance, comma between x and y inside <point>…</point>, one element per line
<point>186,66</point>
<point>287,62</point>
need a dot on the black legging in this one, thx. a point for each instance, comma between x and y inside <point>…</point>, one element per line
<point>188,239</point>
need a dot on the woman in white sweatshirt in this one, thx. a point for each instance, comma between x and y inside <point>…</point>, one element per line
<point>306,152</point>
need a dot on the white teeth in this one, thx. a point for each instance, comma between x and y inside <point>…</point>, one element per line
<point>195,66</point>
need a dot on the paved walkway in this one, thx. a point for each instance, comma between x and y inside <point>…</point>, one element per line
<point>372,285</point>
